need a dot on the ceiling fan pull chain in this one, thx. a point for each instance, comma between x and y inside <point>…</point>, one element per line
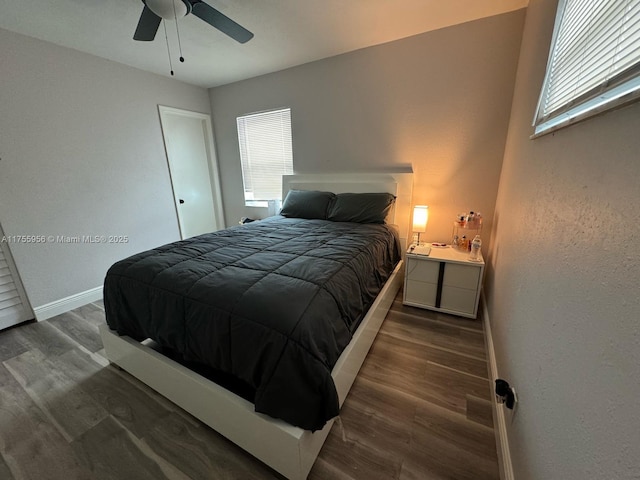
<point>164,24</point>
<point>177,30</point>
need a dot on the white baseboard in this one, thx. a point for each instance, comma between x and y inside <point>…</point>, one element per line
<point>500,421</point>
<point>68,303</point>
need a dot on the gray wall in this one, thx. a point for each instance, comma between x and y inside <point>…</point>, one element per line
<point>439,101</point>
<point>563,283</point>
<point>82,154</point>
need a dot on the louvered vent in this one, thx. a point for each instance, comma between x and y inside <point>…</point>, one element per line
<point>14,307</point>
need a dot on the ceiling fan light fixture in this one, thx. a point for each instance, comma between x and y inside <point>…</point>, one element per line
<point>168,9</point>
<point>155,11</point>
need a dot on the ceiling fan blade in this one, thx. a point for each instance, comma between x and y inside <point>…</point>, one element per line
<point>147,25</point>
<point>220,21</point>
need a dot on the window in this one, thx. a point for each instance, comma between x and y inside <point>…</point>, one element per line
<point>594,63</point>
<point>266,154</point>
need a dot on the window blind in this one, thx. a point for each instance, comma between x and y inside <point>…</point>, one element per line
<point>594,63</point>
<point>266,154</point>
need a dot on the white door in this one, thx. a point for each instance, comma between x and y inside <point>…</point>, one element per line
<point>14,306</point>
<point>188,140</point>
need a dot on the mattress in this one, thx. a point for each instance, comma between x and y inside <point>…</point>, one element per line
<point>271,304</point>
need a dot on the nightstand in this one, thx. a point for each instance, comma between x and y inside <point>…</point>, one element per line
<point>445,281</point>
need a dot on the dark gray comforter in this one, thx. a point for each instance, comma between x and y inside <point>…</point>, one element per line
<point>273,303</point>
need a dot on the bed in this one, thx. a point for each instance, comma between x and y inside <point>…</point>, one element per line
<point>283,368</point>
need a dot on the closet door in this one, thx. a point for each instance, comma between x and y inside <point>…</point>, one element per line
<point>14,306</point>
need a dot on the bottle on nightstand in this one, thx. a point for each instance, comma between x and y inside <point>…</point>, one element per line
<point>476,245</point>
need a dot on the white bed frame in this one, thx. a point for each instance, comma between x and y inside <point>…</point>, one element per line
<point>289,450</point>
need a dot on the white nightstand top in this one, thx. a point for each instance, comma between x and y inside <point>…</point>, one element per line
<point>447,253</point>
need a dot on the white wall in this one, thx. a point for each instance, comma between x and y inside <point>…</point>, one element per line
<point>438,101</point>
<point>563,283</point>
<point>82,154</point>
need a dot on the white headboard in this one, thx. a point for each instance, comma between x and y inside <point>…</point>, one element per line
<point>398,184</point>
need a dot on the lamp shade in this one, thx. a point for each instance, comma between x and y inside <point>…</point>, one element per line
<point>420,218</point>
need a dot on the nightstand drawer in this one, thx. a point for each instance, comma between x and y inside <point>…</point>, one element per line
<point>422,293</point>
<point>423,270</point>
<point>461,276</point>
<point>458,300</point>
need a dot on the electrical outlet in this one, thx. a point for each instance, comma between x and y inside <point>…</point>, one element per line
<point>510,413</point>
<point>505,394</point>
<point>515,401</point>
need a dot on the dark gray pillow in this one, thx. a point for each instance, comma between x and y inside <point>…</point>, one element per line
<point>306,204</point>
<point>361,207</point>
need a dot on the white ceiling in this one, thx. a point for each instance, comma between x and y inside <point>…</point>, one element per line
<point>287,32</point>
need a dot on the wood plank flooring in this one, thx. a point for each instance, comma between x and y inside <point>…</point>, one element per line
<point>419,409</point>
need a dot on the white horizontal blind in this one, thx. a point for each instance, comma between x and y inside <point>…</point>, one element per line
<point>594,60</point>
<point>266,154</point>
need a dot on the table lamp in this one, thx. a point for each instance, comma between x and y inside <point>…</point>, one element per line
<point>420,218</point>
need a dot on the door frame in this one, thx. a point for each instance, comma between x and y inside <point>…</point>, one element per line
<point>212,161</point>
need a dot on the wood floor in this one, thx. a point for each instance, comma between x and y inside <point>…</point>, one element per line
<point>419,409</point>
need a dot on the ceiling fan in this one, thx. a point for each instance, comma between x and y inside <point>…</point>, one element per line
<point>155,10</point>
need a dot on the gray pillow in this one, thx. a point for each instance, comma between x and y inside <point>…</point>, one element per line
<point>361,207</point>
<point>306,204</point>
